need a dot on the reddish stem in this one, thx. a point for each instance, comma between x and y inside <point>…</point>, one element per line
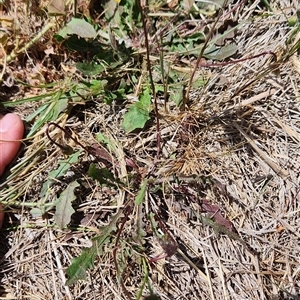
<point>100,153</point>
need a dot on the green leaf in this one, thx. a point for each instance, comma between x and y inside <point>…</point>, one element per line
<point>141,193</point>
<point>221,53</point>
<point>77,270</point>
<point>103,139</point>
<point>134,118</point>
<point>76,43</point>
<point>90,68</point>
<point>112,12</point>
<point>50,111</point>
<point>64,209</point>
<point>139,113</point>
<point>103,175</point>
<point>176,94</point>
<point>43,208</point>
<point>79,27</point>
<point>98,86</point>
<point>62,169</point>
<point>60,106</point>
<point>294,21</point>
<point>36,212</point>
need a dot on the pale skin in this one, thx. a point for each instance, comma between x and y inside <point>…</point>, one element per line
<point>11,132</point>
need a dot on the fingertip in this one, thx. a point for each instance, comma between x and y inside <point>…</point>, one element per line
<point>11,127</point>
<point>11,132</point>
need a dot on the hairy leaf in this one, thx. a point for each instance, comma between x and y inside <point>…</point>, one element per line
<point>64,209</point>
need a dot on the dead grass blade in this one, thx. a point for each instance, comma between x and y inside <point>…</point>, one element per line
<point>278,170</point>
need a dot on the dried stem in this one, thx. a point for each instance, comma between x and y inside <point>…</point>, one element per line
<point>188,89</point>
<point>141,9</point>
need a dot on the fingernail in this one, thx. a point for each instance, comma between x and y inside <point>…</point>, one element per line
<point>6,123</point>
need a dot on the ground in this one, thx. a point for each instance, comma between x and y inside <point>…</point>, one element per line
<point>187,188</point>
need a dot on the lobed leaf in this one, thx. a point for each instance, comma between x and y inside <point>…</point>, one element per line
<point>64,209</point>
<point>141,193</point>
<point>77,270</point>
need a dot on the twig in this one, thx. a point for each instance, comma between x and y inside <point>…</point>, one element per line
<point>59,265</point>
<point>4,63</point>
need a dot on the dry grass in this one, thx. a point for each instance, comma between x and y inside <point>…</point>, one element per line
<point>241,131</point>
